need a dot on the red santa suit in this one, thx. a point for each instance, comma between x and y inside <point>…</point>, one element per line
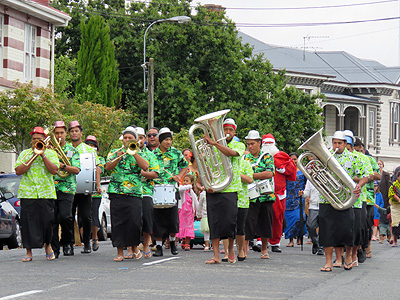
<point>285,168</point>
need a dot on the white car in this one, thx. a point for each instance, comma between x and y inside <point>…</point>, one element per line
<point>104,211</point>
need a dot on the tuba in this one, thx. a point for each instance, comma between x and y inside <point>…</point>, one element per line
<point>326,174</point>
<point>214,174</point>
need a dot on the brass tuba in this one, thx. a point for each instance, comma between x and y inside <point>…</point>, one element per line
<point>326,174</point>
<point>214,174</point>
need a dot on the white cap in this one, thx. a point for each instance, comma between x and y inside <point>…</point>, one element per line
<point>253,135</point>
<point>140,131</point>
<point>165,130</point>
<point>129,129</point>
<point>339,135</point>
<point>350,134</point>
<point>230,122</point>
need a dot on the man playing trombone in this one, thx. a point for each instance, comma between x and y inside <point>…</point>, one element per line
<point>65,181</point>
<point>37,193</point>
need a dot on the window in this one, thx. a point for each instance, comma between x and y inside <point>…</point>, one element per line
<point>395,118</point>
<point>1,43</point>
<point>30,53</point>
<point>371,127</point>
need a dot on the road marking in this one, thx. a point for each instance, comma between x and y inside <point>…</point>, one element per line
<point>21,294</point>
<point>158,261</point>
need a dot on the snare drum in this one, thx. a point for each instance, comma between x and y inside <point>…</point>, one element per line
<point>164,196</point>
<point>86,179</point>
<point>253,192</point>
<point>265,187</point>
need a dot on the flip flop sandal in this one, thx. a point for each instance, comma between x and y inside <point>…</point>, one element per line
<point>119,258</point>
<point>51,256</point>
<point>265,256</point>
<point>347,267</point>
<point>232,260</point>
<point>138,255</point>
<point>27,259</point>
<point>212,261</point>
<point>147,254</point>
<point>129,256</point>
<point>326,269</point>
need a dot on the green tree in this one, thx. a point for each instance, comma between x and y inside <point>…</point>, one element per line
<point>96,67</point>
<point>22,109</point>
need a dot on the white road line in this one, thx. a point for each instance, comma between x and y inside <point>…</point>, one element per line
<point>155,262</point>
<point>21,294</point>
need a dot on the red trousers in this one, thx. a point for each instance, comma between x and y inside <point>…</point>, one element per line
<point>277,222</point>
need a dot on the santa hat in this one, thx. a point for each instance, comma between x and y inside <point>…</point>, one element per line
<point>268,138</point>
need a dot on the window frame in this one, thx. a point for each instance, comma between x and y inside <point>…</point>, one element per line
<point>394,125</point>
<point>30,53</point>
<point>372,124</point>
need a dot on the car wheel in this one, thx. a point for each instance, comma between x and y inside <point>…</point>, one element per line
<point>15,241</point>
<point>102,234</point>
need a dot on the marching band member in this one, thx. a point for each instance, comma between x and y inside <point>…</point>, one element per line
<point>148,177</point>
<point>259,218</point>
<point>370,201</point>
<point>96,197</point>
<point>65,188</point>
<point>166,220</point>
<point>81,201</point>
<point>125,192</point>
<point>37,194</point>
<point>222,206</point>
<point>336,226</point>
<point>285,170</point>
<point>152,139</point>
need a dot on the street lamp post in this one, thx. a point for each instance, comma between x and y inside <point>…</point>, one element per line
<point>150,90</point>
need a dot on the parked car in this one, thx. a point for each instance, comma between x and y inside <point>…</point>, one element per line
<point>10,183</point>
<point>104,211</point>
<point>10,230</point>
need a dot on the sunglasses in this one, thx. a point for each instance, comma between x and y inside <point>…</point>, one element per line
<point>152,135</point>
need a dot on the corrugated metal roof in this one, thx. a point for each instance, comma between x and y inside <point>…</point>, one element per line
<point>344,66</point>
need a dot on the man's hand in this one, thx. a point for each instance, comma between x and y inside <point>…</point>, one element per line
<point>210,190</point>
<point>357,191</point>
<point>209,140</point>
<point>176,178</point>
<point>99,189</point>
<point>301,193</point>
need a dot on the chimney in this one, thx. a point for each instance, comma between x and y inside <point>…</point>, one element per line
<point>214,7</point>
<point>43,2</point>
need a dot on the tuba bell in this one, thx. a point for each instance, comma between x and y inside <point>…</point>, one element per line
<point>326,174</point>
<point>214,174</point>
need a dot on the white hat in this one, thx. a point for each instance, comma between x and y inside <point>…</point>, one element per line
<point>339,135</point>
<point>140,131</point>
<point>350,134</point>
<point>165,130</point>
<point>229,122</point>
<point>253,135</point>
<point>130,130</point>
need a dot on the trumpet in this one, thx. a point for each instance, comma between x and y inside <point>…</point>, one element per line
<point>38,147</point>
<point>132,147</point>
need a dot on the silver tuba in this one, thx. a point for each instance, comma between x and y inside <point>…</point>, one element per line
<point>214,174</point>
<point>326,174</point>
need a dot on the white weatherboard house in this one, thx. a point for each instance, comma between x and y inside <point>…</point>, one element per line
<point>361,95</point>
<point>26,47</point>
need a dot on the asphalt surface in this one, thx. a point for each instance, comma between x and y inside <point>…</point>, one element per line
<point>293,274</point>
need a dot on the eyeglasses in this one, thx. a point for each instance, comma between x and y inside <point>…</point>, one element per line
<point>152,134</point>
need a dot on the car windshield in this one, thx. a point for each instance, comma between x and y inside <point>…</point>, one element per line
<point>10,184</point>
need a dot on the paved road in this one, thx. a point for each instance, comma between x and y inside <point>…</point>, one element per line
<point>293,274</point>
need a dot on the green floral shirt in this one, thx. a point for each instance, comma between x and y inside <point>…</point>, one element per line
<point>370,185</point>
<point>84,148</point>
<point>101,166</point>
<point>148,184</point>
<point>126,176</point>
<point>354,166</point>
<point>243,194</point>
<point>37,182</point>
<point>172,161</point>
<point>392,192</point>
<point>68,184</point>
<point>368,170</point>
<point>236,184</point>
<point>266,164</point>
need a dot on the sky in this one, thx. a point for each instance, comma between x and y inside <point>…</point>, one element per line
<point>278,22</point>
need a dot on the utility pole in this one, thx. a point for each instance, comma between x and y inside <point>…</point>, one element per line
<point>151,93</point>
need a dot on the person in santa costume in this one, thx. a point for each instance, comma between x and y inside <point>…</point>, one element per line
<point>285,170</point>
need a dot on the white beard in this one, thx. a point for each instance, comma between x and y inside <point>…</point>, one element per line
<point>270,148</point>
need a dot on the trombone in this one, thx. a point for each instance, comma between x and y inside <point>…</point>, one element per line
<point>38,147</point>
<point>132,147</point>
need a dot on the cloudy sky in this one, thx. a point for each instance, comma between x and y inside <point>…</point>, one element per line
<point>280,23</point>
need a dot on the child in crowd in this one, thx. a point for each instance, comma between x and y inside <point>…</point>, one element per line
<point>394,200</point>
<point>201,214</point>
<point>384,226</point>
<point>187,207</point>
<point>379,202</point>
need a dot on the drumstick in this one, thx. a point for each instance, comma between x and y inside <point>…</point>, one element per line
<point>168,172</point>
